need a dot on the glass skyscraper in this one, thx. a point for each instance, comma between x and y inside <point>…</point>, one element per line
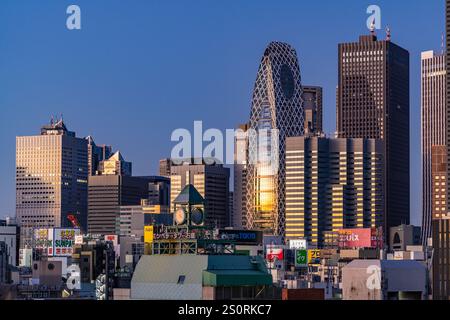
<point>276,113</point>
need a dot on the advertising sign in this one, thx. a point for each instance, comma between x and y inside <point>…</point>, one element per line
<point>113,238</point>
<point>64,240</point>
<point>148,234</point>
<point>274,252</point>
<point>79,239</point>
<point>301,258</point>
<point>355,238</point>
<point>43,239</point>
<point>314,256</point>
<point>298,244</point>
<point>243,237</point>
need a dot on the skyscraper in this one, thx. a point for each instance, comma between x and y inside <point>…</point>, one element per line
<point>96,154</point>
<point>240,174</point>
<point>107,193</point>
<point>312,104</point>
<point>433,86</point>
<point>332,184</point>
<point>373,102</point>
<point>212,181</point>
<point>277,110</point>
<point>441,222</point>
<point>51,180</point>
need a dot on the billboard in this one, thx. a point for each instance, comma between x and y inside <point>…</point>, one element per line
<point>274,252</point>
<point>301,258</point>
<point>355,238</point>
<point>148,234</point>
<point>242,237</point>
<point>43,240</point>
<point>57,242</point>
<point>64,240</point>
<point>298,244</point>
<point>314,256</point>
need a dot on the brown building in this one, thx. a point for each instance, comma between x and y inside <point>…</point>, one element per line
<point>373,102</point>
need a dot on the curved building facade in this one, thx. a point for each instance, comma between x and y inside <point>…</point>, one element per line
<point>276,113</point>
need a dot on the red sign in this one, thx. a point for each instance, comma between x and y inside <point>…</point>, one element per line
<point>274,253</point>
<point>355,238</point>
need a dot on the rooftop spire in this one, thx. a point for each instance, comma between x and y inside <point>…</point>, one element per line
<point>388,34</point>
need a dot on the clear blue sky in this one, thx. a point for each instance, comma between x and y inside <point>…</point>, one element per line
<point>139,69</point>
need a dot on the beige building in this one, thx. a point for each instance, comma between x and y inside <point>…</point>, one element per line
<point>332,184</point>
<point>51,180</point>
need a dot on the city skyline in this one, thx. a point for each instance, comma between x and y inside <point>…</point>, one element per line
<point>189,106</point>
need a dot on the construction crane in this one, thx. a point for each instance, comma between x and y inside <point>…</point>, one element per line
<point>73,220</point>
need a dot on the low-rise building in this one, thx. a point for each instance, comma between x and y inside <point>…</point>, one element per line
<point>384,280</point>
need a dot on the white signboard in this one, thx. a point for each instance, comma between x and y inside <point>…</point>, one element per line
<point>298,244</point>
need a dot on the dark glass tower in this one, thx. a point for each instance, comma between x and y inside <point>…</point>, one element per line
<point>373,103</point>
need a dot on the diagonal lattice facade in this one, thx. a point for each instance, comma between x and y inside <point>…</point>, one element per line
<point>276,105</point>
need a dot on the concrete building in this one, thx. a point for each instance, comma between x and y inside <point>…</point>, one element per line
<point>106,194</point>
<point>332,184</point>
<point>373,102</point>
<point>213,183</point>
<point>199,277</point>
<point>51,180</point>
<point>384,280</point>
<point>433,98</point>
<point>403,236</point>
<point>312,104</point>
<point>276,113</point>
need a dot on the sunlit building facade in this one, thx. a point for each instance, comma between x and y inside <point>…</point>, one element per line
<point>433,114</point>
<point>332,184</point>
<point>51,180</point>
<point>276,113</point>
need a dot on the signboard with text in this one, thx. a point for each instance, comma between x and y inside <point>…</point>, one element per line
<point>274,252</point>
<point>301,258</point>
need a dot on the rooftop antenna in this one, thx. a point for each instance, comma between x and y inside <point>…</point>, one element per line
<point>372,27</point>
<point>388,34</point>
<point>51,121</point>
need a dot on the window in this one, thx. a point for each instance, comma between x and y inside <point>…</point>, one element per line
<point>181,279</point>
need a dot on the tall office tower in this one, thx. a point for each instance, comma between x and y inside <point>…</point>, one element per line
<point>115,165</point>
<point>373,102</point>
<point>164,167</point>
<point>332,184</point>
<point>441,222</point>
<point>212,181</point>
<point>105,196</point>
<point>51,180</point>
<point>240,172</point>
<point>276,113</point>
<point>96,154</point>
<point>433,86</point>
<point>312,104</point>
